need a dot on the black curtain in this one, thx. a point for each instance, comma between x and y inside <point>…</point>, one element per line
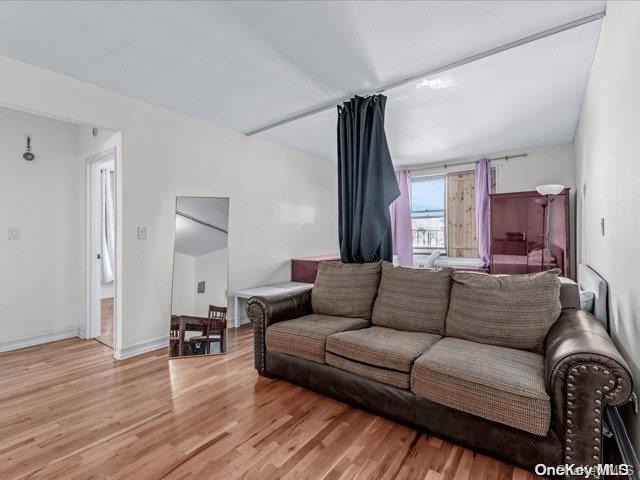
<point>367,182</point>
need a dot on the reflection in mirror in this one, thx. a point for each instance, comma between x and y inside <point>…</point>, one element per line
<point>199,298</point>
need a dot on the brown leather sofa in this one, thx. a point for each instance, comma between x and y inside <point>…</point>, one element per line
<point>536,403</point>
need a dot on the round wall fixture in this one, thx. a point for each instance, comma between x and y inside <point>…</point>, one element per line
<point>28,156</point>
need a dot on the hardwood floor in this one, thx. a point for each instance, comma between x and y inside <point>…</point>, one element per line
<point>69,410</point>
<point>106,322</point>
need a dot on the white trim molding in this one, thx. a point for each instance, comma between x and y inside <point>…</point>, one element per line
<point>92,236</point>
<point>82,332</point>
<point>39,339</point>
<point>139,348</point>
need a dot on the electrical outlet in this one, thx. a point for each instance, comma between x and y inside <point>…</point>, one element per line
<point>143,232</point>
<point>14,233</point>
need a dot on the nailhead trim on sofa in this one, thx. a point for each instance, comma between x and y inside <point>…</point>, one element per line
<point>578,424</point>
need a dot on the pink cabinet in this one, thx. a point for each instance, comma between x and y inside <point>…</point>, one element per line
<point>517,233</point>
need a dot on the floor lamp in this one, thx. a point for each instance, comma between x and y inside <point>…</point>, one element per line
<point>549,192</point>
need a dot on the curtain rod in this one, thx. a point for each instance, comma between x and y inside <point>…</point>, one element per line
<point>436,71</point>
<point>504,157</point>
<point>446,164</point>
<point>201,222</point>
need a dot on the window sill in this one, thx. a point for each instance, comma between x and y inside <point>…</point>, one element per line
<point>424,252</point>
<point>444,261</point>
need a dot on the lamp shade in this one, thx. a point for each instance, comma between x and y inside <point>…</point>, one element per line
<point>550,189</point>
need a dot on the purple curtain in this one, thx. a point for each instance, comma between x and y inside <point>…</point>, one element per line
<point>482,190</point>
<point>402,236</point>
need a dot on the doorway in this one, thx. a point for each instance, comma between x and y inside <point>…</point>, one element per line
<point>101,250</point>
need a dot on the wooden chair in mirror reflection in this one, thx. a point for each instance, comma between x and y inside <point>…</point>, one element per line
<point>212,332</point>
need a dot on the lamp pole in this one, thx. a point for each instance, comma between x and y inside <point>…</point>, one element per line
<point>549,192</point>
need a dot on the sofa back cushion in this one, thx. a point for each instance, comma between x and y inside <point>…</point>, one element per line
<point>569,294</point>
<point>513,311</point>
<point>413,299</point>
<point>345,289</point>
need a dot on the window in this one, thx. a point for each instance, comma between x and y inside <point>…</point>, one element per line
<point>428,213</point>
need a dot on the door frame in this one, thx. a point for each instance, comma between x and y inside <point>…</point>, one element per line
<point>93,244</point>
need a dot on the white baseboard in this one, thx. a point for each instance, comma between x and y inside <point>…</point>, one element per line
<point>82,332</point>
<point>38,339</point>
<point>140,348</point>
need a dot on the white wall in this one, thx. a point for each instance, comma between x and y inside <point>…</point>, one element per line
<point>212,269</point>
<point>550,164</point>
<point>283,203</point>
<point>607,146</point>
<point>183,285</point>
<point>553,164</point>
<point>107,290</point>
<point>39,272</point>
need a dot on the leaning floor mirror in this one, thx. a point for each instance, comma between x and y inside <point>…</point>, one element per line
<point>200,262</point>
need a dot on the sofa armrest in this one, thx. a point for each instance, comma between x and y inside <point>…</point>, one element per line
<point>265,311</point>
<point>584,371</point>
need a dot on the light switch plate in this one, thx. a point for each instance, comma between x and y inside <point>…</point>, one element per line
<point>14,233</point>
<point>143,232</point>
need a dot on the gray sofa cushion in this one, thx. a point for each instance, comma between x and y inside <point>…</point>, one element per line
<point>514,311</point>
<point>379,353</point>
<point>412,299</point>
<point>569,293</point>
<point>496,383</point>
<point>305,337</point>
<point>591,281</point>
<point>382,375</point>
<point>381,347</point>
<point>345,289</point>
<point>586,300</point>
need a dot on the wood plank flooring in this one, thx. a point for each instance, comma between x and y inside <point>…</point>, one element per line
<point>106,322</point>
<point>69,410</point>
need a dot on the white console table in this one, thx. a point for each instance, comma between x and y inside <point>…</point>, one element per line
<point>264,291</point>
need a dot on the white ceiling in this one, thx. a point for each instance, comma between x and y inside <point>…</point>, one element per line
<point>195,239</point>
<point>247,64</point>
<point>525,97</point>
